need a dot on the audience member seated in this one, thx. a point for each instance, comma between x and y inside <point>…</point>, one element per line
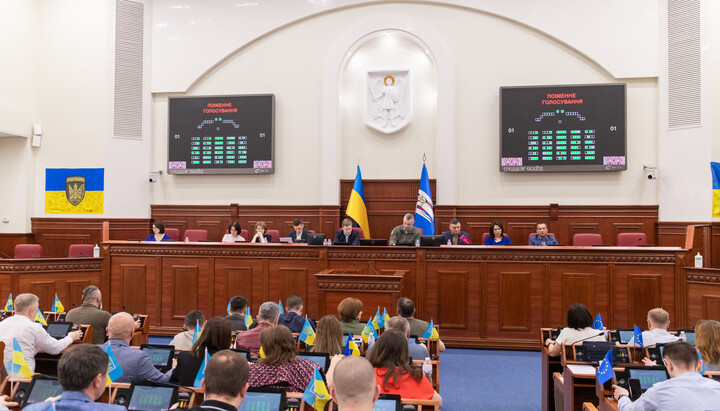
<point>346,235</point>
<point>415,351</point>
<point>658,321</point>
<point>89,313</point>
<point>267,317</point>
<point>349,311</point>
<point>293,318</point>
<point>542,237</point>
<point>299,234</point>
<point>579,327</point>
<point>707,341</point>
<point>497,235</point>
<point>685,390</point>
<point>394,374</point>
<point>406,233</point>
<point>216,336</point>
<point>406,309</point>
<point>136,364</point>
<point>351,383</point>
<point>329,336</point>
<point>158,234</point>
<point>82,372</point>
<point>455,236</point>
<point>225,382</point>
<point>280,369</point>
<point>261,234</point>
<point>238,305</point>
<point>184,339</point>
<point>233,234</point>
<point>31,336</point>
<point>6,404</point>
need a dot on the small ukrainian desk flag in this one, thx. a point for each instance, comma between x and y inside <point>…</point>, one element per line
<point>368,331</point>
<point>39,318</point>
<point>431,331</point>
<point>228,308</point>
<point>74,190</point>
<point>201,372</point>
<point>114,369</point>
<point>19,366</point>
<point>197,332</point>
<point>282,309</point>
<point>356,208</point>
<point>9,304</point>
<point>316,393</point>
<point>351,347</point>
<point>385,317</point>
<point>57,305</point>
<point>307,335</point>
<point>378,321</point>
<point>248,318</point>
<point>598,324</point>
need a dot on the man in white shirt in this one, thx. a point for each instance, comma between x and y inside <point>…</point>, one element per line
<point>658,321</point>
<point>685,390</point>
<point>31,336</point>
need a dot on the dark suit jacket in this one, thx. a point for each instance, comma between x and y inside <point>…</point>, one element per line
<point>303,236</point>
<point>353,239</point>
<point>447,236</point>
<point>188,367</point>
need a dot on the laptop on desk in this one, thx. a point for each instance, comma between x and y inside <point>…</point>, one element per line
<point>58,329</point>
<point>622,335</point>
<point>161,356</point>
<point>263,398</point>
<point>147,396</point>
<point>373,241</point>
<point>320,358</point>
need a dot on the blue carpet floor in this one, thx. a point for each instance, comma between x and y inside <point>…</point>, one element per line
<point>490,380</point>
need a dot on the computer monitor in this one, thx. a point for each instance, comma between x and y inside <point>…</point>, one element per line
<point>648,377</point>
<point>42,387</point>
<point>58,330</point>
<point>388,402</point>
<point>160,355</point>
<point>244,353</point>
<point>431,240</point>
<point>315,239</point>
<point>373,241</point>
<point>622,335</point>
<point>262,398</point>
<point>150,397</point>
<point>320,358</point>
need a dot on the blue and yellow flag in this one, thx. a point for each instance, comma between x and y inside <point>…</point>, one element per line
<point>228,308</point>
<point>316,394</point>
<point>605,370</point>
<point>248,318</point>
<point>39,318</point>
<point>431,331</point>
<point>351,347</point>
<point>378,321</point>
<point>262,353</point>
<point>715,169</point>
<point>307,335</point>
<point>74,190</point>
<point>57,305</point>
<point>114,369</point>
<point>282,309</point>
<point>385,316</point>
<point>101,306</point>
<point>368,331</point>
<point>598,324</point>
<point>201,372</point>
<point>638,336</point>
<point>197,332</point>
<point>9,304</point>
<point>424,210</point>
<point>356,208</point>
<point>19,366</point>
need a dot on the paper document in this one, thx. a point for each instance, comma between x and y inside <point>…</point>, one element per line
<point>581,369</point>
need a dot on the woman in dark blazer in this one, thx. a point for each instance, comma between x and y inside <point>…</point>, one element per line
<point>216,336</point>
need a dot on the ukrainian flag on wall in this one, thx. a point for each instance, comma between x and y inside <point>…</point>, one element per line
<point>356,205</point>
<point>74,190</point>
<point>715,168</point>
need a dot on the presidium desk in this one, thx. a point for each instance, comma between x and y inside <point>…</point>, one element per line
<point>479,296</point>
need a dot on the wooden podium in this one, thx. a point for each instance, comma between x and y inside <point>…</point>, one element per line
<point>373,290</point>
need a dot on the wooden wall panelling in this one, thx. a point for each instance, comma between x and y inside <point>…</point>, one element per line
<point>133,281</point>
<point>8,241</point>
<point>607,221</point>
<point>73,293</point>
<point>452,293</point>
<point>644,294</point>
<point>671,233</point>
<point>514,295</point>
<point>127,228</point>
<point>321,219</point>
<point>232,278</point>
<point>57,234</point>
<point>293,281</point>
<point>579,288</point>
<point>45,290</point>
<point>703,295</point>
<point>514,300</point>
<point>186,286</point>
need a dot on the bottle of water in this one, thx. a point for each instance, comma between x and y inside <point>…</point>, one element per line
<point>417,243</point>
<point>96,251</point>
<point>449,242</point>
<point>329,242</point>
<point>325,242</point>
<point>427,368</point>
<point>371,339</point>
<point>698,260</point>
<point>187,239</point>
<point>683,337</point>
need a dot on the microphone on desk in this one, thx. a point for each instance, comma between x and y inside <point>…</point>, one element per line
<point>5,255</point>
<point>351,266</point>
<point>371,267</point>
<point>592,336</point>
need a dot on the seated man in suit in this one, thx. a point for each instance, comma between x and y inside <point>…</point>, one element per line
<point>685,390</point>
<point>658,321</point>
<point>347,235</point>
<point>542,237</point>
<point>406,309</point>
<point>406,233</point>
<point>184,339</point>
<point>293,319</point>
<point>31,336</point>
<point>238,305</point>
<point>415,351</point>
<point>300,234</point>
<point>135,364</point>
<point>351,383</point>
<point>225,382</point>
<point>267,317</point>
<point>89,313</point>
<point>455,236</point>
<point>82,372</point>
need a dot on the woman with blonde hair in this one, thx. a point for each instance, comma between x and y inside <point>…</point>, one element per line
<point>329,336</point>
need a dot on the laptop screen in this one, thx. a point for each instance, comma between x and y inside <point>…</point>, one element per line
<point>320,359</point>
<point>648,378</point>
<point>58,330</point>
<point>690,337</point>
<point>151,398</point>
<point>269,401</point>
<point>43,389</point>
<point>159,356</point>
<point>626,336</point>
<point>388,402</point>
